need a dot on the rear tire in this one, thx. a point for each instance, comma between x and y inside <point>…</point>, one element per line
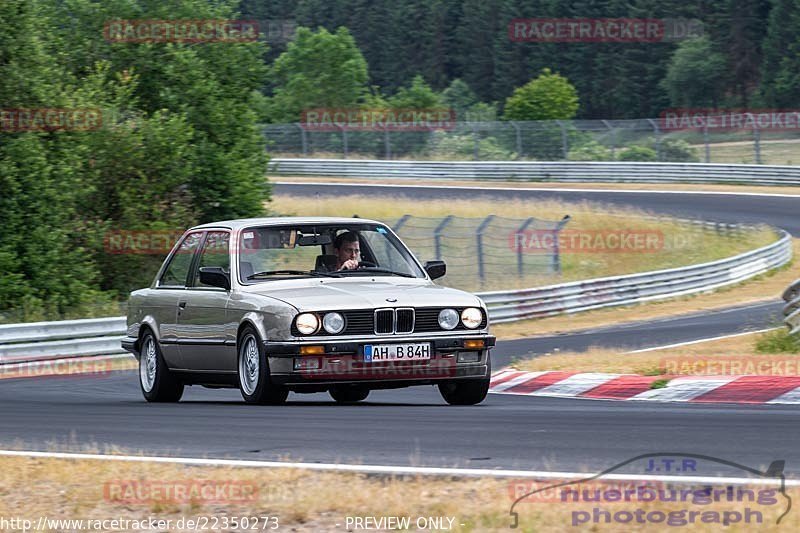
<point>255,383</point>
<point>158,384</point>
<point>348,394</point>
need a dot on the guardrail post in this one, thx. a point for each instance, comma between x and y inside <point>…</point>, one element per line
<point>400,223</point>
<point>556,248</point>
<point>521,230</point>
<point>479,239</point>
<point>303,138</point>
<point>437,234</point>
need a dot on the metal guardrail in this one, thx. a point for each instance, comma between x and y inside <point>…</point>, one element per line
<point>792,308</point>
<point>507,306</point>
<point>45,340</point>
<point>564,171</point>
<point>62,338</point>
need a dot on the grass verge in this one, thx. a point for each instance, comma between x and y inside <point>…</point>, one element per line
<point>674,243</point>
<point>303,500</point>
<point>732,355</point>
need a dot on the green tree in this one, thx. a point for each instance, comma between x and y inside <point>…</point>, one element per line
<point>418,95</point>
<point>318,70</point>
<point>547,97</point>
<point>693,75</point>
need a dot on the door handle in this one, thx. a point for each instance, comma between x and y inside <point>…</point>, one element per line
<point>182,305</point>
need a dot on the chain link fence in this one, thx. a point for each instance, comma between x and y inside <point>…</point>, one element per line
<point>556,140</point>
<point>477,250</point>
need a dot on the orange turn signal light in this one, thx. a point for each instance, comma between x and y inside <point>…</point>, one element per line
<point>474,343</point>
<point>312,350</point>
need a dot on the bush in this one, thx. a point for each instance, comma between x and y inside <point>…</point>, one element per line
<point>677,150</point>
<point>591,151</point>
<point>637,153</point>
<point>447,145</point>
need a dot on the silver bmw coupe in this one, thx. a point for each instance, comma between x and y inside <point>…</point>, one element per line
<point>274,305</point>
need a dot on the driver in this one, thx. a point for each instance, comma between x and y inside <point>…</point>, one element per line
<point>348,250</point>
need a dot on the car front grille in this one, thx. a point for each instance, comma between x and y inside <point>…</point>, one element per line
<point>382,322</point>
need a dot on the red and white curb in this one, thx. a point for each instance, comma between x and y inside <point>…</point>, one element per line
<point>695,389</point>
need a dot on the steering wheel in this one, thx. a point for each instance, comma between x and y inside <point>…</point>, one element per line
<point>366,264</point>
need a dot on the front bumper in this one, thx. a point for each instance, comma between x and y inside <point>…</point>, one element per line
<point>344,362</point>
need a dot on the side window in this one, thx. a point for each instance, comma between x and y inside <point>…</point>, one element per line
<point>214,254</point>
<point>178,268</point>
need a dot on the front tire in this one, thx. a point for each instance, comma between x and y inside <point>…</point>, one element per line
<point>254,377</point>
<point>158,384</point>
<point>467,392</point>
<point>348,394</point>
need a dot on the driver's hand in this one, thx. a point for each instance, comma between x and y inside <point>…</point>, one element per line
<point>350,264</point>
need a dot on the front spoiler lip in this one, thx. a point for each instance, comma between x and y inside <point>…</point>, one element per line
<point>351,347</point>
<point>477,371</point>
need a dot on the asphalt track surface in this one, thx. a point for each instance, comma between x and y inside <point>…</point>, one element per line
<point>414,426</point>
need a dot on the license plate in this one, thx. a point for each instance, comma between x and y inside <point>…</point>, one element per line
<point>397,352</point>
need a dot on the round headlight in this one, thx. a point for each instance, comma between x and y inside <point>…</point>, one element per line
<point>333,323</point>
<point>448,318</point>
<point>307,323</point>
<point>471,317</point>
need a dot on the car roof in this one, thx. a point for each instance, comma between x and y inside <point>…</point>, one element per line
<point>276,221</point>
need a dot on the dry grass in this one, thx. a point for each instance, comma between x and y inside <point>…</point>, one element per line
<point>301,500</point>
<point>762,288</point>
<point>678,187</point>
<point>786,152</point>
<point>682,244</point>
<point>618,361</point>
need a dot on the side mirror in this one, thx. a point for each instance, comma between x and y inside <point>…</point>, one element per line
<point>435,269</point>
<point>216,277</point>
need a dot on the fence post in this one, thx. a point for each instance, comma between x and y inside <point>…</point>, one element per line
<point>401,223</point>
<point>705,140</point>
<point>556,249</point>
<point>564,143</point>
<point>521,230</point>
<point>386,143</point>
<point>757,144</point>
<point>344,141</point>
<point>476,143</point>
<point>657,132</point>
<point>613,139</point>
<point>479,238</point>
<point>303,138</point>
<point>437,236</point>
<point>519,139</point>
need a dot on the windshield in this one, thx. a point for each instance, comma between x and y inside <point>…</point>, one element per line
<point>323,250</point>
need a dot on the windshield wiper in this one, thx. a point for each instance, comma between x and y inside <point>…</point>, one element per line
<point>312,273</point>
<point>379,270</point>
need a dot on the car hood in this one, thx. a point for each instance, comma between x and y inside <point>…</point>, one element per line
<point>335,294</point>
